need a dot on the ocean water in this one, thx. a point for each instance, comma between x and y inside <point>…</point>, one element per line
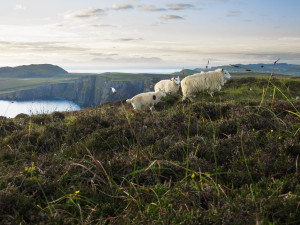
<point>12,108</point>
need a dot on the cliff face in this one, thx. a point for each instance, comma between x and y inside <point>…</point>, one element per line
<point>87,91</point>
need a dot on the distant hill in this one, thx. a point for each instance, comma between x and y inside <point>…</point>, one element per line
<point>280,68</point>
<point>32,71</point>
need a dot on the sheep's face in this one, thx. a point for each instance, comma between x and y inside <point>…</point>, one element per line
<point>177,80</point>
<point>163,92</point>
<point>226,74</point>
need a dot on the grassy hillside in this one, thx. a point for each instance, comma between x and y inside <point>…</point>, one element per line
<point>32,71</point>
<point>10,85</point>
<point>230,159</point>
<point>31,76</point>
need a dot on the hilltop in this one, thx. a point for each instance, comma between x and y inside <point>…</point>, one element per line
<point>228,159</point>
<point>32,71</point>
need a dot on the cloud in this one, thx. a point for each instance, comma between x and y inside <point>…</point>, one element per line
<point>275,55</point>
<point>125,39</point>
<point>58,25</point>
<point>121,7</point>
<point>203,1</point>
<point>234,13</point>
<point>128,39</point>
<point>20,7</point>
<point>101,54</point>
<point>171,17</point>
<point>99,25</point>
<point>289,39</point>
<point>151,8</point>
<point>87,13</point>
<point>180,6</point>
<point>222,0</point>
<point>129,60</point>
<point>40,47</point>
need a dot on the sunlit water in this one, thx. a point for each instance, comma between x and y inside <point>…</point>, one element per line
<point>11,109</point>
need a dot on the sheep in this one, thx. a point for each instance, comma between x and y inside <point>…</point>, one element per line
<point>171,86</point>
<point>211,82</point>
<point>148,99</point>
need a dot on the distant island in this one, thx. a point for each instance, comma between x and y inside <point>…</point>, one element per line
<point>32,71</point>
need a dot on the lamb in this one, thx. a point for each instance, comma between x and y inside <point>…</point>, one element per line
<point>171,86</point>
<point>211,82</point>
<point>148,99</point>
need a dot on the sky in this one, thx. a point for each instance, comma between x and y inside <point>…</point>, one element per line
<point>117,35</point>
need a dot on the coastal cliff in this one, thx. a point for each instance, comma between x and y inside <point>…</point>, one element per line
<point>86,91</point>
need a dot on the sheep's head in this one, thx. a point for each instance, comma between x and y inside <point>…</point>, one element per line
<point>226,74</point>
<point>177,80</point>
<point>163,91</point>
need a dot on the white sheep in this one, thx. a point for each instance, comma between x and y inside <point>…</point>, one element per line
<point>211,82</point>
<point>148,99</point>
<point>171,86</point>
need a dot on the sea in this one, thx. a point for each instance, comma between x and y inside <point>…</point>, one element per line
<point>10,109</point>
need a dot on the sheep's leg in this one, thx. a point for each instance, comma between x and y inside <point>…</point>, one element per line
<point>183,98</point>
<point>151,108</point>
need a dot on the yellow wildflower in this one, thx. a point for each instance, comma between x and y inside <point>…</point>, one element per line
<point>207,174</point>
<point>76,192</point>
<point>193,176</point>
<point>272,131</point>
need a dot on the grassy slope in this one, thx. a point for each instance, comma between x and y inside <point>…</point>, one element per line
<point>9,85</point>
<point>221,160</point>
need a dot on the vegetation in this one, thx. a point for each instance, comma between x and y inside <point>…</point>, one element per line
<point>228,159</point>
<point>32,71</point>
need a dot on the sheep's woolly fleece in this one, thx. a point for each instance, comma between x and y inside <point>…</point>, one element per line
<point>171,87</point>
<point>211,82</point>
<point>148,99</point>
